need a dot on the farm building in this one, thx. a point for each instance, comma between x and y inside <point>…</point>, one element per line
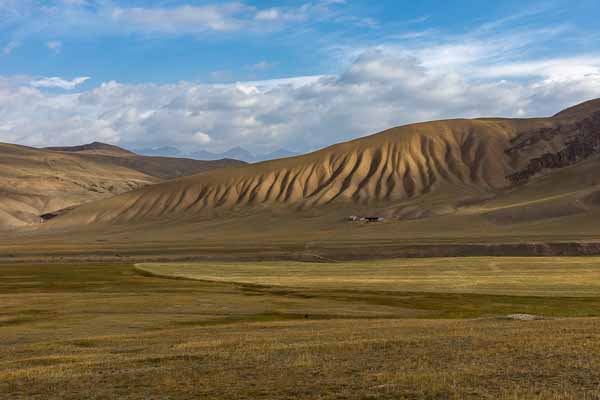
<point>365,219</point>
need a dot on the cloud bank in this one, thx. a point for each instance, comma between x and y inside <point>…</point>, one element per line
<point>518,66</point>
<point>378,90</point>
<point>56,82</point>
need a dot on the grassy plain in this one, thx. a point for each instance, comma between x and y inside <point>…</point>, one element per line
<point>538,276</point>
<point>102,331</point>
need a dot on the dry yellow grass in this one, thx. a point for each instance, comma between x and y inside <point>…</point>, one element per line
<point>105,332</point>
<point>318,359</point>
<point>524,276</point>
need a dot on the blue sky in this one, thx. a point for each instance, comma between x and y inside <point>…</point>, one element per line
<point>302,74</point>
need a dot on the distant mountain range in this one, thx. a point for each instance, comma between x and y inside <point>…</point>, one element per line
<point>236,153</point>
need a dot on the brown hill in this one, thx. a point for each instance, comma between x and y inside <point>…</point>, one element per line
<point>36,181</point>
<point>95,148</point>
<point>439,183</point>
<point>394,165</point>
<point>159,167</point>
<point>457,158</point>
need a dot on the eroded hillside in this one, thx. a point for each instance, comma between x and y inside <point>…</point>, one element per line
<point>463,161</point>
<point>34,182</point>
<point>395,165</point>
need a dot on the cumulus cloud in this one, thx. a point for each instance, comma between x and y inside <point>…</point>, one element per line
<point>270,14</point>
<point>321,10</point>
<point>381,80</point>
<point>379,90</point>
<point>56,82</point>
<point>186,18</point>
<point>63,19</point>
<point>225,17</point>
<point>202,138</point>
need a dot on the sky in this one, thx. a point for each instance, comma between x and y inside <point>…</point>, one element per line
<point>299,74</point>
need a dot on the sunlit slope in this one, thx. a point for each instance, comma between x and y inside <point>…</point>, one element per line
<point>396,165</point>
<point>38,181</point>
<point>34,181</point>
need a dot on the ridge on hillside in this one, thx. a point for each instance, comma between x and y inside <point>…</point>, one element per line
<point>94,148</point>
<point>164,168</point>
<point>580,110</point>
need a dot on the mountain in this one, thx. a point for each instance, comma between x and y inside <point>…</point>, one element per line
<point>164,151</point>
<point>236,153</point>
<point>34,182</point>
<point>456,156</point>
<point>97,148</point>
<point>280,153</point>
<point>206,155</point>
<point>416,171</point>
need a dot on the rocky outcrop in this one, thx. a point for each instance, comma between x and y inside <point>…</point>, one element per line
<point>580,141</point>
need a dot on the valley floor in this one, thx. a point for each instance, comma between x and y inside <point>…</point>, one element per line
<point>74,331</point>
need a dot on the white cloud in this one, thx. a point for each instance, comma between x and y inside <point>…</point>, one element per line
<point>271,14</point>
<point>263,65</point>
<point>295,82</point>
<point>480,73</point>
<point>558,69</point>
<point>321,10</point>
<point>186,18</point>
<point>54,45</point>
<point>377,91</point>
<point>202,138</point>
<point>56,82</point>
<point>65,18</point>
